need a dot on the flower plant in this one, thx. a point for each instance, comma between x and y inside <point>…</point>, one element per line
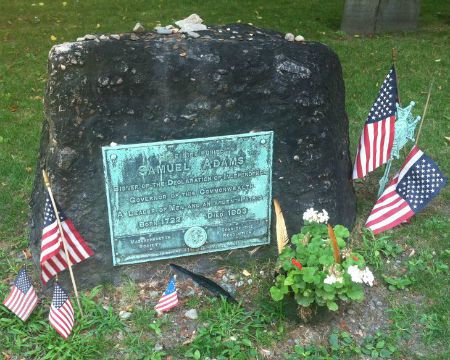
<point>317,272</point>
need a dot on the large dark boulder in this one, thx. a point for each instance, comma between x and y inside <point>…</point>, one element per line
<point>149,87</point>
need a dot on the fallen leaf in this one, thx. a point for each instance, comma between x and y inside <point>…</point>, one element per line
<point>188,341</point>
<point>448,138</point>
<point>53,38</point>
<point>6,355</point>
<point>27,253</point>
<point>253,251</point>
<point>221,272</point>
<point>246,273</point>
<point>13,108</point>
<point>183,54</point>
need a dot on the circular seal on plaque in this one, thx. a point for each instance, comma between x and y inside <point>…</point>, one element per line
<point>195,237</point>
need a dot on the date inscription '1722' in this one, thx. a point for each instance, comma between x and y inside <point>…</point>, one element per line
<point>187,197</point>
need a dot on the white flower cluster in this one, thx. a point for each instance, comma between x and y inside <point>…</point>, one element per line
<point>315,216</point>
<point>361,276</point>
<point>334,276</point>
<point>331,279</point>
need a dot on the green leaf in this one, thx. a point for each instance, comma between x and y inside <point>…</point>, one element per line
<point>304,301</point>
<point>341,242</point>
<point>247,342</point>
<point>276,293</point>
<point>289,280</point>
<point>341,231</point>
<point>334,341</point>
<point>328,296</point>
<point>197,355</point>
<point>380,344</point>
<point>356,292</point>
<point>332,305</point>
<point>385,353</point>
<point>308,274</point>
<point>326,260</point>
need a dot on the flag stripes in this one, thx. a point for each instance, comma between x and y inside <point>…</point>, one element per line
<point>167,302</point>
<point>411,189</point>
<point>169,298</point>
<point>389,211</point>
<point>53,257</point>
<point>377,138</point>
<point>61,314</point>
<point>374,147</point>
<point>22,299</point>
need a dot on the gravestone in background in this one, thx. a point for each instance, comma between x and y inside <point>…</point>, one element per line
<point>378,16</point>
<point>146,88</point>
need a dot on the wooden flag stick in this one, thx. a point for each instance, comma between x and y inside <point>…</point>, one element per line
<point>424,111</point>
<point>394,62</point>
<point>69,263</point>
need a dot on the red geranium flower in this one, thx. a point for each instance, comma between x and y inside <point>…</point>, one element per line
<point>296,263</point>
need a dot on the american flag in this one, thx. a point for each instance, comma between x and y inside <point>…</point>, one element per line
<point>53,257</point>
<point>411,189</point>
<point>22,299</point>
<point>377,138</point>
<point>169,298</point>
<point>61,314</point>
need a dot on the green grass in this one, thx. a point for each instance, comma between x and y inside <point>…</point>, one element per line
<point>39,340</point>
<point>25,35</point>
<point>231,332</point>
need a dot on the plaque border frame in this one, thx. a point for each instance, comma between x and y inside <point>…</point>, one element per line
<point>184,141</point>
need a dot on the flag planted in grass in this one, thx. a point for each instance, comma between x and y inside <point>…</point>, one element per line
<point>61,314</point>
<point>22,299</point>
<point>169,298</point>
<point>377,138</point>
<point>53,257</point>
<point>412,188</point>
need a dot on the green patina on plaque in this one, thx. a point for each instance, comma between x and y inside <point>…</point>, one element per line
<point>187,197</point>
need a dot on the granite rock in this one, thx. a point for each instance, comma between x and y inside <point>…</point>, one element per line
<point>161,87</point>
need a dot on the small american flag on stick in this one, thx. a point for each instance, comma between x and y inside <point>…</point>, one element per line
<point>169,298</point>
<point>22,299</point>
<point>53,257</point>
<point>377,138</point>
<point>412,188</point>
<point>61,314</point>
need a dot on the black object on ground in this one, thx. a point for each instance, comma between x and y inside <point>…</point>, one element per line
<point>208,284</point>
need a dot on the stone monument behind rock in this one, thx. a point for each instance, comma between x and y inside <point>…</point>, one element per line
<point>145,88</point>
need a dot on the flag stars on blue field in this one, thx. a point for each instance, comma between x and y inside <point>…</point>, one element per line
<point>23,281</point>
<point>59,296</point>
<point>49,214</point>
<point>420,183</point>
<point>384,105</point>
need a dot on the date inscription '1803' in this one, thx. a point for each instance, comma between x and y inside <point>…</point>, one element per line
<point>187,197</point>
